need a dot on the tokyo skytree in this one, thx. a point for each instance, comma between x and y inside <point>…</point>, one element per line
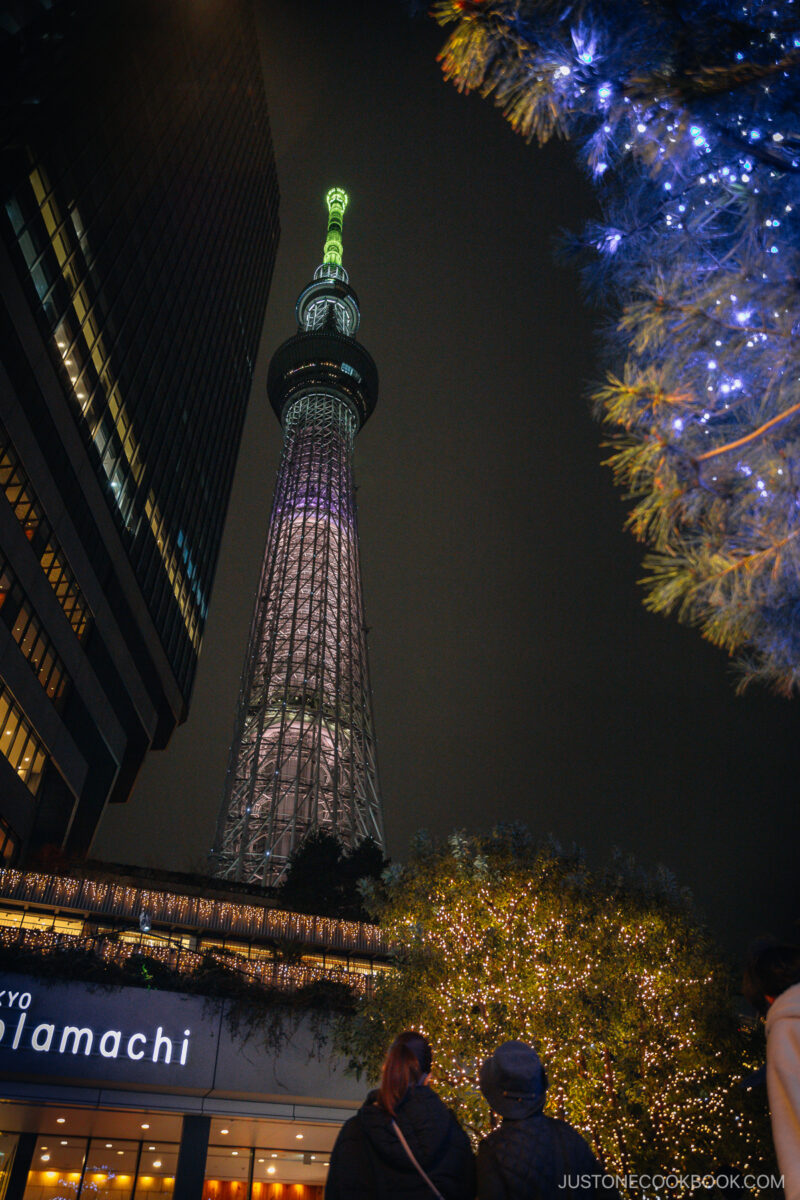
<point>303,752</point>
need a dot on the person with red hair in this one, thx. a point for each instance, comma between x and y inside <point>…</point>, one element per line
<point>404,1143</point>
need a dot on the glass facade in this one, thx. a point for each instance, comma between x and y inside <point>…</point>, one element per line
<point>100,1168</point>
<point>8,1144</point>
<point>138,232</point>
<point>17,613</point>
<point>37,529</point>
<point>20,744</point>
<point>143,215</point>
<point>8,850</point>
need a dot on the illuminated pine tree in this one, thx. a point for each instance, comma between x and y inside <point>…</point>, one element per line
<point>609,977</point>
<point>685,112</point>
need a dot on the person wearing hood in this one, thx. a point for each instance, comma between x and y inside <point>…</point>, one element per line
<point>530,1154</point>
<point>772,985</point>
<point>404,1143</point>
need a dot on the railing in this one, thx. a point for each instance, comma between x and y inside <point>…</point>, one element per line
<point>252,921</point>
<point>269,973</point>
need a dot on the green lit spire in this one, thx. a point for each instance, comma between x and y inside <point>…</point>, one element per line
<point>336,200</point>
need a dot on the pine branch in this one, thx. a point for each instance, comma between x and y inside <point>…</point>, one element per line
<point>687,119</point>
<point>750,437</point>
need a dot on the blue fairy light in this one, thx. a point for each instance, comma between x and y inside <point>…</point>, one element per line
<point>693,252</point>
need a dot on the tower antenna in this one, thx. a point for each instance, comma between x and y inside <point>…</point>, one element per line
<point>336,201</point>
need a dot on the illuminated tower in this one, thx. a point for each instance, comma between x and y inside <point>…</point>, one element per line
<point>303,753</point>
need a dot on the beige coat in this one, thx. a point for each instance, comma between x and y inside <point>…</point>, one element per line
<point>783,1085</point>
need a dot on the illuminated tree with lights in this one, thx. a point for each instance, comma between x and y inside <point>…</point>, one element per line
<point>686,115</point>
<point>609,976</point>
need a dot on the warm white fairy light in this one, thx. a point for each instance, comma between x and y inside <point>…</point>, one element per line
<point>253,921</point>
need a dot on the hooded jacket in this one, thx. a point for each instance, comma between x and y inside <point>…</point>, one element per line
<point>368,1161</point>
<point>783,1085</point>
<point>537,1158</point>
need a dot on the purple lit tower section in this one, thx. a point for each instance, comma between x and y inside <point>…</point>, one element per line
<point>303,753</point>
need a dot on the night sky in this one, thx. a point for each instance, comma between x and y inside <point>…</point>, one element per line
<point>516,675</point>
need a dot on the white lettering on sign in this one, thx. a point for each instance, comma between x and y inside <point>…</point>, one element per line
<point>47,1037</point>
<point>9,998</point>
<point>136,1037</point>
<point>36,1040</point>
<point>162,1042</point>
<point>77,1035</point>
<point>18,1033</point>
<point>117,1036</point>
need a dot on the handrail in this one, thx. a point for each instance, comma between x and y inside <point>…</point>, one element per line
<point>252,921</point>
<point>270,973</point>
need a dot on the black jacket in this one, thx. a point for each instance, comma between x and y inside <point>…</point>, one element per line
<point>369,1163</point>
<point>529,1159</point>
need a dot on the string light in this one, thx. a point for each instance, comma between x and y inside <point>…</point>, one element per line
<point>168,908</point>
<point>608,977</point>
<point>696,247</point>
<point>256,922</point>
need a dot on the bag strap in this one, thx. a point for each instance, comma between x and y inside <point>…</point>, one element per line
<point>410,1154</point>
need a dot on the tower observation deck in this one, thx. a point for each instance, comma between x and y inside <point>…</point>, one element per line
<point>303,752</point>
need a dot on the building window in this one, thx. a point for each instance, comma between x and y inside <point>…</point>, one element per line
<point>27,631</point>
<point>20,495</point>
<point>8,849</point>
<point>20,745</point>
<point>62,1169</point>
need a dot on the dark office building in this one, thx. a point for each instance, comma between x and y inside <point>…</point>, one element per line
<point>139,224</point>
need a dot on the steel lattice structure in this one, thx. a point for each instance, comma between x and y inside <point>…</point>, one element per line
<point>303,753</point>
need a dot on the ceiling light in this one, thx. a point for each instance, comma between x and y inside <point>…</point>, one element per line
<point>108,1145</point>
<point>45,1158</point>
<point>299,1136</point>
<point>223,1130</point>
<point>60,1120</point>
<point>157,1162</point>
<point>120,1152</point>
<point>270,1170</point>
<point>261,1160</point>
<point>65,1143</point>
<point>145,1126</point>
<point>151,1147</point>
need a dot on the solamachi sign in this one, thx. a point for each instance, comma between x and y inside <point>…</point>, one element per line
<point>69,1038</point>
<point>107,1035</point>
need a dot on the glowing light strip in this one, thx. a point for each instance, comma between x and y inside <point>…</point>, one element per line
<point>336,201</point>
<point>171,908</point>
<point>82,307</point>
<point>270,973</point>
